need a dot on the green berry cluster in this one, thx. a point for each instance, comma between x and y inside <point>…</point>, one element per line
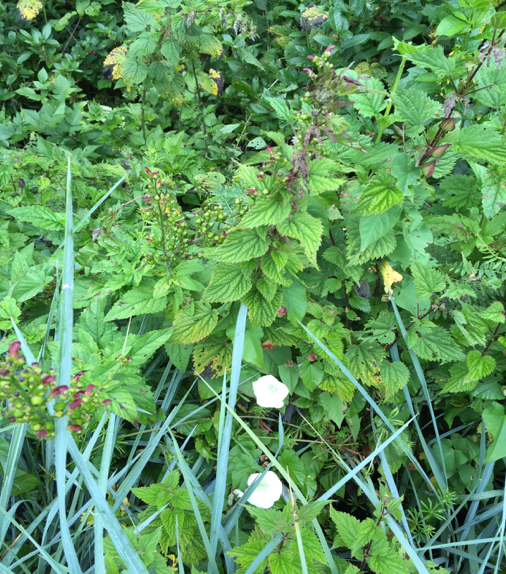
<point>26,392</point>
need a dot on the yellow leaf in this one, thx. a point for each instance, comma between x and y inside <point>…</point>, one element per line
<point>29,9</point>
<point>390,276</point>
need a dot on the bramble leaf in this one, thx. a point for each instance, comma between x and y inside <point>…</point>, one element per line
<point>307,229</point>
<point>239,246</point>
<point>269,211</point>
<point>380,194</point>
<point>479,366</point>
<point>192,326</point>
<point>228,283</point>
<point>427,280</point>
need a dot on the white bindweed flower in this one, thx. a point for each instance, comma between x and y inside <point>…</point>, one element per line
<point>270,392</point>
<point>266,493</point>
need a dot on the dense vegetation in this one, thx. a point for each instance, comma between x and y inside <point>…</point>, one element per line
<point>244,241</point>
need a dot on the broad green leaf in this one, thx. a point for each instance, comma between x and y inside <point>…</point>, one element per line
<point>144,346</point>
<point>40,216</point>
<point>373,102</point>
<point>364,362</point>
<point>479,366</point>
<point>228,283</point>
<point>138,301</point>
<point>451,26</point>
<point>29,285</point>
<point>269,520</point>
<point>179,355</point>
<point>280,563</point>
<point>311,374</point>
<point>373,227</point>
<point>171,50</point>
<point>459,191</point>
<point>481,142</point>
<point>321,176</point>
<point>295,302</point>
<point>312,547</point>
<point>393,376</point>
<point>246,553</point>
<point>280,109</point>
<point>347,528</point>
<point>433,57</point>
<point>493,191</point>
<point>434,344</point>
<point>494,313</point>
<point>380,194</point>
<point>495,423</point>
<point>415,107</point>
<point>134,72</point>
<point>386,560</point>
<point>262,312</point>
<point>307,229</point>
<point>428,280</point>
<point>239,246</point>
<point>137,21</point>
<point>192,326</point>
<point>270,211</point>
<point>333,406</point>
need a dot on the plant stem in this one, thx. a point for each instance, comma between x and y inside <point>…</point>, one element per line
<point>200,106</point>
<point>394,90</point>
<point>143,121</point>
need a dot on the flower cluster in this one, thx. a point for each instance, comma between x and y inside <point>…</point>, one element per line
<point>27,392</point>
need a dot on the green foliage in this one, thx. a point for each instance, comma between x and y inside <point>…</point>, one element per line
<point>337,169</point>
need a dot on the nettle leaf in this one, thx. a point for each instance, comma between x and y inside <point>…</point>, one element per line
<point>434,344</point>
<point>280,109</point>
<point>179,355</point>
<point>134,72</point>
<point>415,107</point>
<point>307,229</point>
<point>191,326</point>
<point>321,176</point>
<point>459,191</point>
<point>493,191</point>
<point>137,21</point>
<point>171,50</point>
<point>261,311</point>
<point>228,283</point>
<point>393,376</point>
<point>364,362</point>
<point>427,280</point>
<point>249,177</point>
<point>347,528</point>
<point>138,301</point>
<point>373,227</point>
<point>270,211</point>
<point>372,103</point>
<point>239,246</point>
<point>479,365</point>
<point>385,560</point>
<point>433,58</point>
<point>40,216</point>
<point>380,194</point>
<point>494,313</point>
<point>481,142</point>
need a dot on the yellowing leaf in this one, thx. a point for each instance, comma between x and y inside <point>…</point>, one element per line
<point>29,9</point>
<point>390,276</point>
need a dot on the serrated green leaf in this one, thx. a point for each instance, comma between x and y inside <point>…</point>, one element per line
<point>428,280</point>
<point>190,327</point>
<point>239,246</point>
<point>269,520</point>
<point>481,142</point>
<point>307,229</point>
<point>321,176</point>
<point>494,313</point>
<point>479,366</point>
<point>415,107</point>
<point>364,362</point>
<point>40,216</point>
<point>270,211</point>
<point>138,301</point>
<point>434,344</point>
<point>433,58</point>
<point>393,376</point>
<point>380,194</point>
<point>386,560</point>
<point>228,283</point>
<point>134,72</point>
<point>267,287</point>
<point>493,191</point>
<point>179,355</point>
<point>373,227</point>
<point>171,50</point>
<point>280,563</point>
<point>347,528</point>
<point>312,548</point>
<point>280,109</point>
<point>262,312</point>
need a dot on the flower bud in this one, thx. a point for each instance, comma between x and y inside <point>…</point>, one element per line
<point>74,404</point>
<point>428,168</point>
<point>42,434</point>
<point>106,402</point>
<point>439,150</point>
<point>89,389</point>
<point>58,391</point>
<point>311,357</point>
<point>311,58</point>
<point>282,311</point>
<point>4,372</point>
<point>75,428</point>
<point>48,379</point>
<point>329,50</point>
<point>268,345</point>
<point>14,349</point>
<point>447,125</point>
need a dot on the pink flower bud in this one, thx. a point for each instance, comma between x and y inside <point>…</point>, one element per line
<point>4,372</point>
<point>148,171</point>
<point>282,311</point>
<point>89,389</point>
<point>329,49</point>
<point>14,349</point>
<point>439,150</point>
<point>311,357</point>
<point>75,428</point>
<point>74,404</point>
<point>311,58</point>
<point>428,168</point>
<point>42,434</point>
<point>447,125</point>
<point>48,379</point>
<point>58,391</point>
<point>308,71</point>
<point>269,149</point>
<point>159,184</point>
<point>78,394</point>
<point>106,402</point>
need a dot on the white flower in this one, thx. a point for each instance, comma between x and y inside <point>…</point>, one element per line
<point>270,392</point>
<point>266,493</point>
